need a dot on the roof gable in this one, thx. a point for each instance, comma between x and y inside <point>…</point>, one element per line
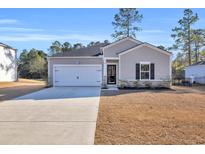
<point>122,40</point>
<point>145,45</point>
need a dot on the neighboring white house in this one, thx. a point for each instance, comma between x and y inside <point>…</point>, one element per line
<point>8,63</point>
<point>125,62</point>
<point>197,72</point>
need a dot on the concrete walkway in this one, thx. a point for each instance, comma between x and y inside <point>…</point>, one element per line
<point>61,115</point>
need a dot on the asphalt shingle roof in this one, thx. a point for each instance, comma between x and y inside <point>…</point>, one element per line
<point>92,51</point>
<point>87,51</point>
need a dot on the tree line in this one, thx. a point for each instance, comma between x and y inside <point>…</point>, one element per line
<point>189,42</point>
<point>32,64</point>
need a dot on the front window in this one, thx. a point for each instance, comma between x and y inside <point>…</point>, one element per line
<point>145,71</point>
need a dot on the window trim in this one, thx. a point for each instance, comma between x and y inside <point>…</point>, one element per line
<point>145,63</point>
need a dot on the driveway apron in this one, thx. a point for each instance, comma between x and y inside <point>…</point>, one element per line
<point>58,115</point>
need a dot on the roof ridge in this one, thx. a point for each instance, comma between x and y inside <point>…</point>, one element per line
<point>131,48</point>
<point>5,45</point>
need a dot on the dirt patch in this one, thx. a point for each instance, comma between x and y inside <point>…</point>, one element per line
<point>152,117</point>
<point>10,90</point>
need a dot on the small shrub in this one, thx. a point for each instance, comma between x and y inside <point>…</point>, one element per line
<point>123,84</point>
<point>136,84</point>
<point>148,84</point>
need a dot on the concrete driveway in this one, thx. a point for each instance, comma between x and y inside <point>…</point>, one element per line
<point>61,115</point>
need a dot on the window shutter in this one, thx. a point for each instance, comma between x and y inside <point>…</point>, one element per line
<point>152,71</point>
<point>137,71</point>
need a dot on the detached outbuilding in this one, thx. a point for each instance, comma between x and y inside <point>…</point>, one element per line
<point>8,63</point>
<point>196,72</point>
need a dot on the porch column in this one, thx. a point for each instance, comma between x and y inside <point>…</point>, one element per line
<point>104,78</point>
<point>104,67</point>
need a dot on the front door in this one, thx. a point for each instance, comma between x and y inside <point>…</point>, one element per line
<point>111,74</point>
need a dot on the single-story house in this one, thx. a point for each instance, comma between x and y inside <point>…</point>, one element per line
<point>8,63</point>
<point>127,62</point>
<point>196,71</point>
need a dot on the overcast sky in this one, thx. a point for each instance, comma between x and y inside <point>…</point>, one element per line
<point>38,28</point>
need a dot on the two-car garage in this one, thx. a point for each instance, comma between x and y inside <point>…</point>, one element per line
<point>77,75</point>
<point>79,67</point>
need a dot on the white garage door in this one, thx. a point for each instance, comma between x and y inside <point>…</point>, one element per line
<point>77,75</point>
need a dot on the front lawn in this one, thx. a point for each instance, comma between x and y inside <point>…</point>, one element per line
<point>152,117</point>
<point>10,90</point>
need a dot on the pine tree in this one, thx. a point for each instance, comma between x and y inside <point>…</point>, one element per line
<point>125,23</point>
<point>182,34</point>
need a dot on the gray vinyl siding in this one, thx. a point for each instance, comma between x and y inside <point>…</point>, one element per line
<point>145,54</point>
<point>67,61</point>
<point>113,50</point>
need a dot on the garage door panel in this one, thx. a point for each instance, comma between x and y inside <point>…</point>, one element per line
<point>78,75</point>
